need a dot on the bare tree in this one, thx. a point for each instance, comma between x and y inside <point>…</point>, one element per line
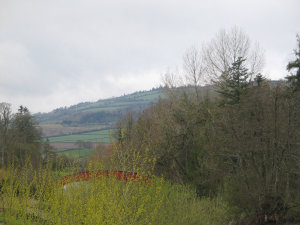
<point>221,52</point>
<point>193,68</point>
<point>170,80</point>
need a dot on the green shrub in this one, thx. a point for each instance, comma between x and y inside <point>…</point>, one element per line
<point>37,197</point>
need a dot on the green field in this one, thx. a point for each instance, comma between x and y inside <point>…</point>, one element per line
<point>101,136</point>
<point>51,130</point>
<point>76,153</point>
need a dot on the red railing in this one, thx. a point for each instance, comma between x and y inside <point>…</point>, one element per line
<point>86,176</point>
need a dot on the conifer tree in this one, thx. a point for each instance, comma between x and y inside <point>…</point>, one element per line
<point>294,78</point>
<point>27,137</point>
<point>259,79</point>
<point>234,82</point>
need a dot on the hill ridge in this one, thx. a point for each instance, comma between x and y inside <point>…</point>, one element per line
<point>101,112</point>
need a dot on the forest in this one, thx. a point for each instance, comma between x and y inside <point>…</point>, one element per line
<point>229,155</point>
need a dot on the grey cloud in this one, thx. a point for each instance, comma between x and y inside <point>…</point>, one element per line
<point>103,48</point>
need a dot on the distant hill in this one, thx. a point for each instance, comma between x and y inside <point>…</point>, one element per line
<point>103,112</point>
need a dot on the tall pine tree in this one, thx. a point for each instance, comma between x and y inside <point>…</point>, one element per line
<point>234,82</point>
<point>294,78</point>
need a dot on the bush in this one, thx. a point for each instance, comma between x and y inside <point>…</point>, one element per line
<point>37,197</point>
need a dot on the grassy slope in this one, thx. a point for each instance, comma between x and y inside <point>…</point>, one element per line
<point>103,136</point>
<point>51,130</point>
<point>95,137</point>
<point>123,103</point>
<point>76,153</point>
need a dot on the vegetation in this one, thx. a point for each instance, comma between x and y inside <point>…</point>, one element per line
<point>103,136</point>
<point>82,122</point>
<point>38,197</point>
<point>228,153</point>
<point>242,145</point>
<point>76,153</point>
<point>234,82</point>
<point>19,136</point>
<point>103,112</point>
<point>52,130</point>
<point>294,78</point>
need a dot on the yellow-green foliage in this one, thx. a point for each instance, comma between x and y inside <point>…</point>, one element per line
<point>40,199</point>
<point>2,172</point>
<point>37,197</point>
<point>181,205</point>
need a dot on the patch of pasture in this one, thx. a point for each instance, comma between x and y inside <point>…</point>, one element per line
<point>76,153</point>
<point>101,136</point>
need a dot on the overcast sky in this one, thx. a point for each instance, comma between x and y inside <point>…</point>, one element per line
<point>62,52</point>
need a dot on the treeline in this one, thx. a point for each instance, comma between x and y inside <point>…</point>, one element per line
<point>110,117</point>
<point>20,137</point>
<point>240,143</point>
<point>102,117</point>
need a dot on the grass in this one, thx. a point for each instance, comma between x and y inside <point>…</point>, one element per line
<point>101,136</point>
<point>117,106</point>
<point>110,108</point>
<point>58,129</point>
<point>76,153</point>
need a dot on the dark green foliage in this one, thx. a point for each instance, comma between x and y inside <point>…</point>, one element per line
<point>294,78</point>
<point>5,137</point>
<point>22,139</point>
<point>100,117</point>
<point>260,152</point>
<point>177,129</point>
<point>234,82</point>
<point>259,79</point>
<point>25,126</point>
<point>246,152</point>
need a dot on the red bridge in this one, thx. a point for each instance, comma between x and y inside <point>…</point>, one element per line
<point>86,176</point>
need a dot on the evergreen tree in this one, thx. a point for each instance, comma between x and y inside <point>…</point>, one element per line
<point>27,137</point>
<point>259,79</point>
<point>294,78</point>
<point>234,82</point>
